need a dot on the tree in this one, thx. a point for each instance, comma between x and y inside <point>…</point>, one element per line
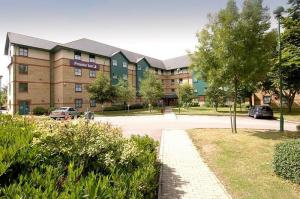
<point>101,90</point>
<point>216,95</point>
<point>290,58</point>
<point>125,92</point>
<point>185,93</point>
<point>3,96</point>
<point>151,88</point>
<point>235,47</point>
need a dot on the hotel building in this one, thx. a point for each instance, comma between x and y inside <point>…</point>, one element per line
<point>48,74</point>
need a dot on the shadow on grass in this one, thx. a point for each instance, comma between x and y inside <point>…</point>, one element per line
<point>276,135</point>
<point>170,184</point>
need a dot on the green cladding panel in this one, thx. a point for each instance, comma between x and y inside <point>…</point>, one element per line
<point>119,68</point>
<point>199,86</point>
<point>141,67</point>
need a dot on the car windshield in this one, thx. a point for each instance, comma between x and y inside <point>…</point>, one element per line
<point>265,108</point>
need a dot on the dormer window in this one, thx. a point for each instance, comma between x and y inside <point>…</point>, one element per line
<point>92,58</point>
<point>77,55</point>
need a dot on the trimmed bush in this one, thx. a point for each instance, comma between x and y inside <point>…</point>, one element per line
<point>286,161</point>
<point>123,107</point>
<point>80,160</point>
<point>39,111</point>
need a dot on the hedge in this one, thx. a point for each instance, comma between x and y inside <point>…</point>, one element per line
<point>77,160</point>
<point>286,160</point>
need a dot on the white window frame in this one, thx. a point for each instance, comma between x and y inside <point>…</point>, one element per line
<point>125,64</point>
<point>76,71</point>
<point>125,77</point>
<point>139,67</point>
<point>81,103</point>
<point>78,88</point>
<point>92,73</point>
<point>115,62</point>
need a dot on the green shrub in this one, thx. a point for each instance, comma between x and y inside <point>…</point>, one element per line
<point>286,161</point>
<point>123,107</point>
<point>78,160</point>
<point>15,135</point>
<point>39,111</point>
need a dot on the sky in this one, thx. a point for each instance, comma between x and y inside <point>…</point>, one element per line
<point>158,28</point>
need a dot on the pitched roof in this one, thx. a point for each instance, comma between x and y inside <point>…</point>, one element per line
<point>20,39</point>
<point>94,47</point>
<point>177,62</point>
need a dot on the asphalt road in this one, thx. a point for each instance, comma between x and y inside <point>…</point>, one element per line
<point>154,124</point>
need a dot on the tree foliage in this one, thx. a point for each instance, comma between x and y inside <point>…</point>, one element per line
<point>185,94</point>
<point>151,88</point>
<point>235,47</point>
<point>101,90</point>
<point>216,95</point>
<point>3,96</point>
<point>290,62</point>
<point>125,92</point>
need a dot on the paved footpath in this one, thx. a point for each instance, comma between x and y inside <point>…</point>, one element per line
<point>183,172</point>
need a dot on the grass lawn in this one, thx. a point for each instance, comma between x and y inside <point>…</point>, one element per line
<point>243,161</point>
<point>293,116</point>
<point>209,111</point>
<point>131,112</point>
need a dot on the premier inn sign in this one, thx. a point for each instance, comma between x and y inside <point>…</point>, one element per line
<point>83,64</point>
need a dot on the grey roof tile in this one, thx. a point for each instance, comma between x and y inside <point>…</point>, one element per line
<point>95,47</point>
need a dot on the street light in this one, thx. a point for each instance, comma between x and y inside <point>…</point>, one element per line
<point>278,14</point>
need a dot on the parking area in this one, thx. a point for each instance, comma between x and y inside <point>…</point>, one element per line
<point>154,124</point>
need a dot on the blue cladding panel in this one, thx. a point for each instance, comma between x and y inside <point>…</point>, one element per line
<point>141,67</point>
<point>118,72</point>
<point>200,86</point>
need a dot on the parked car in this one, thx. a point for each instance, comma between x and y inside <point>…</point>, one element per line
<point>64,113</point>
<point>261,111</point>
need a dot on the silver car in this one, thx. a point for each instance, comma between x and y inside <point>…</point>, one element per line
<point>64,113</point>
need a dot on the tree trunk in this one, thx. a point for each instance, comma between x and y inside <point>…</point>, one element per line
<point>234,106</point>
<point>250,100</point>
<point>291,101</point>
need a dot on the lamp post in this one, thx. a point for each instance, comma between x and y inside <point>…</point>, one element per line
<point>278,14</point>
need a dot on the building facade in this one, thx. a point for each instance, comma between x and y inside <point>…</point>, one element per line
<point>48,74</point>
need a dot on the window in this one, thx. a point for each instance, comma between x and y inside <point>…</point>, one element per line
<point>23,87</point>
<point>23,69</point>
<point>267,99</point>
<point>139,67</point>
<point>78,88</point>
<point>78,103</point>
<point>125,77</point>
<point>77,71</point>
<point>92,73</point>
<point>156,71</point>
<point>172,81</point>
<point>114,62</point>
<point>162,72</point>
<point>77,55</point>
<point>92,103</point>
<point>23,52</point>
<point>172,72</point>
<point>180,81</point>
<point>124,64</point>
<point>173,90</point>
<point>114,76</point>
<point>92,58</point>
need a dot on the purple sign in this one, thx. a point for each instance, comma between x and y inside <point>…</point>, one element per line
<point>83,64</point>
